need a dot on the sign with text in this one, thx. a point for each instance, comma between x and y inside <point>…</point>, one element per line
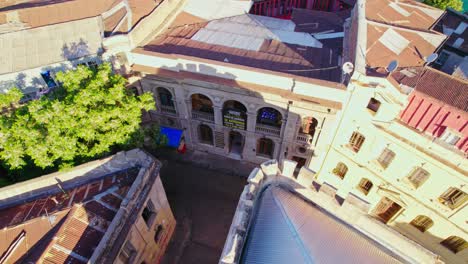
<point>234,119</point>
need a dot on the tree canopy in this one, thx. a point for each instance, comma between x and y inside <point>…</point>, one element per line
<point>443,4</point>
<point>90,113</point>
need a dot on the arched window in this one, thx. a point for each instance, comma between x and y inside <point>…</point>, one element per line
<point>265,147</point>
<point>165,97</point>
<point>269,117</point>
<point>308,126</point>
<point>365,185</point>
<point>202,103</point>
<point>356,141</point>
<point>205,134</point>
<point>234,115</point>
<point>340,170</point>
<point>454,244</point>
<point>422,223</point>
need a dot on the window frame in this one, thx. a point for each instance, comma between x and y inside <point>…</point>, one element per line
<point>205,130</point>
<point>415,174</point>
<point>386,157</point>
<point>340,170</point>
<point>362,186</point>
<point>454,243</point>
<point>48,78</point>
<point>127,253</point>
<point>356,141</point>
<point>447,199</point>
<point>422,223</point>
<point>262,146</point>
<point>449,133</point>
<point>152,213</point>
<point>373,105</point>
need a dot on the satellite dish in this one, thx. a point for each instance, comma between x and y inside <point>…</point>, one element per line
<point>392,66</point>
<point>348,67</point>
<point>432,57</point>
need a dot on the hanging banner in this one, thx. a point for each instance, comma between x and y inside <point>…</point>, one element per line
<point>234,119</point>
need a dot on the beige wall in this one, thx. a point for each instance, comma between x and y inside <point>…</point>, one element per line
<point>390,182</point>
<point>141,236</point>
<point>285,142</point>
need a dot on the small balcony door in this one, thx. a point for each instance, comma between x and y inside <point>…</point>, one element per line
<point>386,209</point>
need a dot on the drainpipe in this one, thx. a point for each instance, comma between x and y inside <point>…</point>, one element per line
<point>283,128</point>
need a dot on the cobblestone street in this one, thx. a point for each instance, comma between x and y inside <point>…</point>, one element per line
<point>204,200</point>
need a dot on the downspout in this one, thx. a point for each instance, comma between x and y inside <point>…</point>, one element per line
<point>283,126</point>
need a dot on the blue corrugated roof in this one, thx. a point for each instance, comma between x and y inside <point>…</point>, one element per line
<point>288,229</point>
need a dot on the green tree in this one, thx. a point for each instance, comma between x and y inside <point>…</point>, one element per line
<point>443,4</point>
<point>10,98</point>
<point>88,116</point>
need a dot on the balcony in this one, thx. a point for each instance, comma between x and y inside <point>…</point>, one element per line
<point>205,116</point>
<point>167,109</point>
<point>304,138</point>
<point>276,131</point>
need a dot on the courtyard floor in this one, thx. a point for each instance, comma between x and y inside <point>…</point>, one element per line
<point>203,191</point>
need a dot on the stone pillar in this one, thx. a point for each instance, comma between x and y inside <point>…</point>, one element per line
<point>251,121</point>
<point>218,115</point>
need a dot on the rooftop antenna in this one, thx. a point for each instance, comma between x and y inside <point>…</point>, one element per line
<point>431,58</point>
<point>392,66</point>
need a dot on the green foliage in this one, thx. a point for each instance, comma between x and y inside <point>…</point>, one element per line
<point>443,4</point>
<point>12,97</point>
<point>87,117</point>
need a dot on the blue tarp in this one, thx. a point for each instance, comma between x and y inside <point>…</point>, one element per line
<point>173,136</point>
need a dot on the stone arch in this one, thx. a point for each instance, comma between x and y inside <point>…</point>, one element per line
<point>269,116</point>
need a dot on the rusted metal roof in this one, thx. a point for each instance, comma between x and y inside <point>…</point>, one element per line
<point>65,226</point>
<point>273,54</point>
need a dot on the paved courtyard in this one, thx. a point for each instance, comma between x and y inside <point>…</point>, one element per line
<point>203,199</point>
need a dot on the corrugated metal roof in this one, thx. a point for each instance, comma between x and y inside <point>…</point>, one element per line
<point>394,41</point>
<point>48,45</point>
<point>287,229</point>
<point>249,31</point>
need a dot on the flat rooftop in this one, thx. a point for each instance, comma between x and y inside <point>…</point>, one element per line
<point>257,42</point>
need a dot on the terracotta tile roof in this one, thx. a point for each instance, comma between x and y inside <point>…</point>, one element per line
<point>443,87</point>
<point>64,227</point>
<point>273,54</point>
<point>440,86</point>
